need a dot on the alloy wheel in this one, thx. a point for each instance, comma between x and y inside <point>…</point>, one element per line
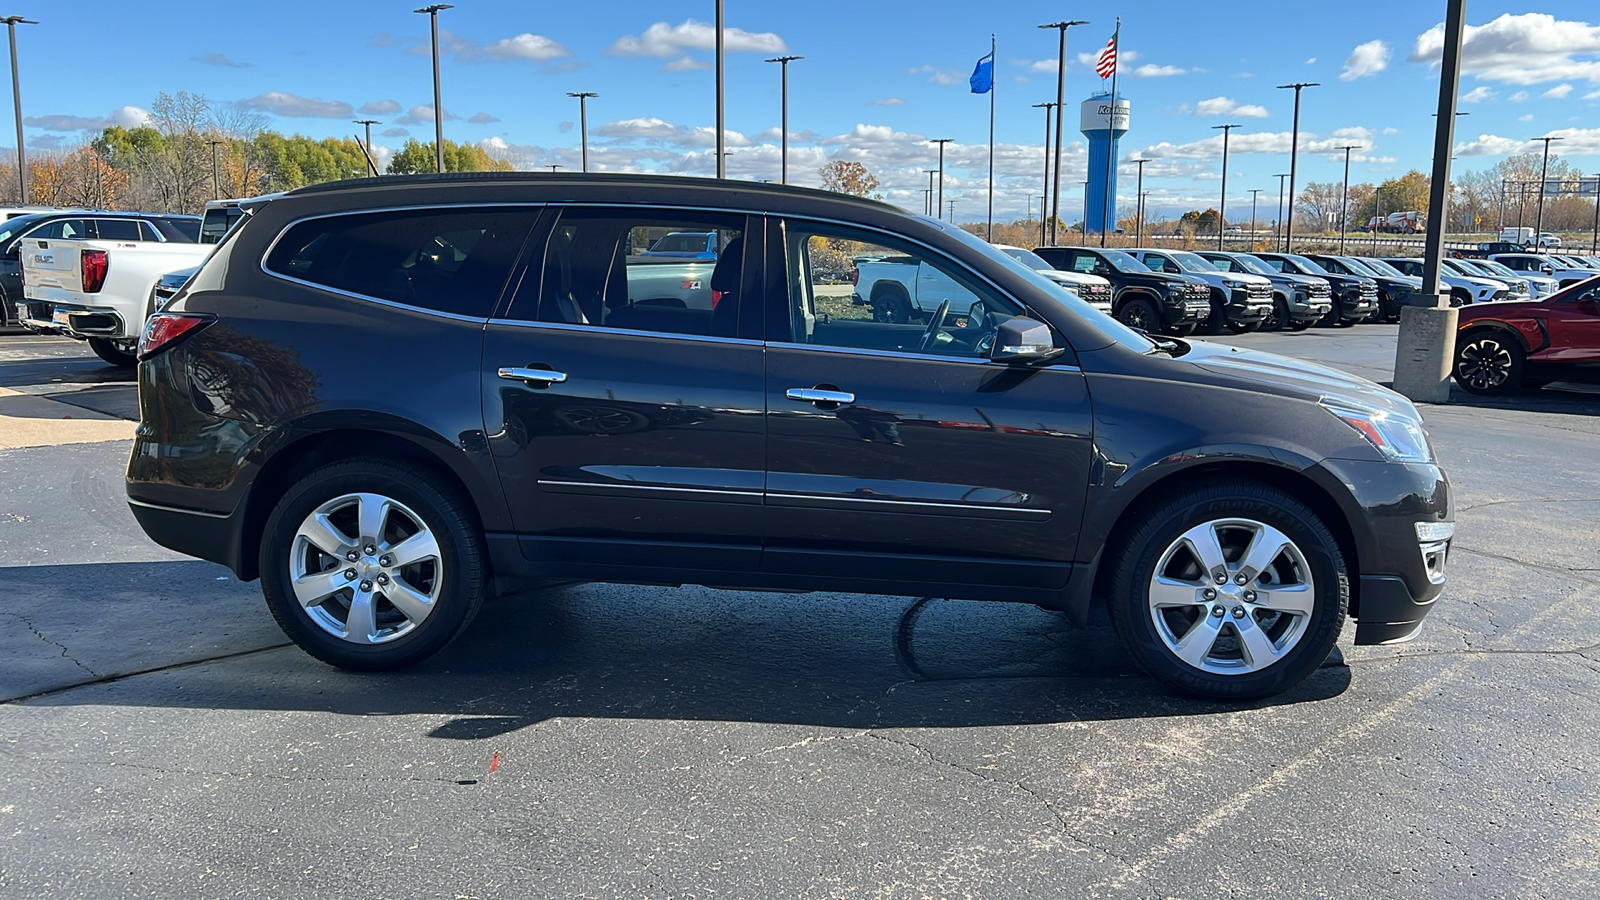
<point>365,568</point>
<point>1484,364</point>
<point>1231,596</point>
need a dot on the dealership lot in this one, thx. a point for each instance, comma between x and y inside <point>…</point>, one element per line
<point>602,740</point>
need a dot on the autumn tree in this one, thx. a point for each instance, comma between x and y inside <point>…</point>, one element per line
<point>418,158</point>
<point>846,176</point>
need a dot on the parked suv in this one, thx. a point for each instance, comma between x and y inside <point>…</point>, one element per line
<point>1146,300</point>
<point>1298,301</point>
<point>1394,287</point>
<point>382,396</point>
<point>1355,297</point>
<point>1240,302</point>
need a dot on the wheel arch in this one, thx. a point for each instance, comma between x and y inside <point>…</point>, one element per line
<point>1530,334</point>
<point>1136,293</point>
<point>1299,484</point>
<point>311,450</point>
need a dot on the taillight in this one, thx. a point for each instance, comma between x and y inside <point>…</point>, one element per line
<point>855,275</point>
<point>94,264</point>
<point>165,329</point>
<point>716,297</point>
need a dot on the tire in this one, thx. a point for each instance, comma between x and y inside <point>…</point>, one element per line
<point>1334,317</point>
<point>1181,330</point>
<point>1489,362</point>
<point>1299,326</point>
<point>111,353</point>
<point>1459,297</point>
<point>1388,310</point>
<point>443,588</point>
<point>1232,647</point>
<point>1217,322</point>
<point>1139,313</point>
<point>892,306</point>
<point>1279,319</point>
<point>1246,327</point>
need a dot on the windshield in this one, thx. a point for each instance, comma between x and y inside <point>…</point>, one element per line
<point>1357,266</point>
<point>1251,264</point>
<point>1114,331</point>
<point>1490,265</point>
<point>1382,268</point>
<point>681,243</point>
<point>1192,262</point>
<point>1028,258</point>
<point>17,225</point>
<point>1310,267</point>
<point>1122,262</point>
<point>1455,266</point>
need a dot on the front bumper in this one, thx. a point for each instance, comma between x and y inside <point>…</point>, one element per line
<point>1401,572</point>
<point>1183,307</point>
<point>1357,304</point>
<point>1245,306</point>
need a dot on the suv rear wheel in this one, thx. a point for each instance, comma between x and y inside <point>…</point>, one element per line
<point>1232,590</point>
<point>117,353</point>
<point>372,564</point>
<point>1489,361</point>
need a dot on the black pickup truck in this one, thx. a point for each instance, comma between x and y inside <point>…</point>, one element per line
<point>1149,301</point>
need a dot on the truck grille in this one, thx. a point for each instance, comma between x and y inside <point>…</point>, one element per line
<point>1320,291</point>
<point>1260,292</point>
<point>1369,292</point>
<point>1094,293</point>
<point>1197,291</point>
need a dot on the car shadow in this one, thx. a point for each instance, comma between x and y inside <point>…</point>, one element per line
<point>694,653</point>
<point>1560,397</point>
<point>50,369</point>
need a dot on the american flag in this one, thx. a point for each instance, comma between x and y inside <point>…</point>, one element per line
<point>1106,63</point>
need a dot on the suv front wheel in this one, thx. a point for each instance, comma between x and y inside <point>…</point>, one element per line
<point>1232,590</point>
<point>372,564</point>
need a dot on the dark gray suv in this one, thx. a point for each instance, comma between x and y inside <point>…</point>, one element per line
<point>384,397</point>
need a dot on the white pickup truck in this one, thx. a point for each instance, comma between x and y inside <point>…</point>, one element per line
<point>100,291</point>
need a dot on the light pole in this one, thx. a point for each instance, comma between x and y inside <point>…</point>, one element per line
<point>1544,172</point>
<point>941,142</point>
<point>367,124</point>
<point>1278,226</point>
<point>432,13</point>
<point>931,210</point>
<point>1138,205</point>
<point>1047,108</point>
<point>722,155</point>
<point>16,96</point>
<point>1061,97</point>
<point>583,122</point>
<point>1222,205</point>
<point>952,211</point>
<point>784,62</point>
<point>1294,156</point>
<point>216,182</point>
<point>1344,197</point>
<point>1085,212</point>
<point>553,166</point>
<point>1254,194</point>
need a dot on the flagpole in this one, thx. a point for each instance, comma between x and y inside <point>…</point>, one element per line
<point>1111,136</point>
<point>993,87</point>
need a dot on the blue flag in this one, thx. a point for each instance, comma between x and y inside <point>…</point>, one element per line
<point>982,79</point>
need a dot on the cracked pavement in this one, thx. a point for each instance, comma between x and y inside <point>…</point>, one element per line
<point>158,737</point>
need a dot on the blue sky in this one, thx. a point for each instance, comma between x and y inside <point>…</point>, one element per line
<point>878,79</point>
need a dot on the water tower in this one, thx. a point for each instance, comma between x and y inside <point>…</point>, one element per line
<point>1104,131</point>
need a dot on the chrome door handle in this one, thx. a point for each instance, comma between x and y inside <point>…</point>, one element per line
<point>542,376</point>
<point>813,395</point>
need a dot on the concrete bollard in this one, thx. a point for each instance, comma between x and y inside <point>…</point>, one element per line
<point>1425,350</point>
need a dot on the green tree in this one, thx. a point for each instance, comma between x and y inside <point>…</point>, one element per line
<point>417,158</point>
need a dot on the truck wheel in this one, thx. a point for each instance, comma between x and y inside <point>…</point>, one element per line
<point>1334,318</point>
<point>1244,327</point>
<point>1138,313</point>
<point>891,306</point>
<point>372,564</point>
<point>1232,590</point>
<point>1278,319</point>
<point>1183,330</point>
<point>1217,322</point>
<point>109,351</point>
<point>1459,297</point>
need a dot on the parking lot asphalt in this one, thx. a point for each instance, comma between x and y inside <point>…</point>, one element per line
<point>159,738</point>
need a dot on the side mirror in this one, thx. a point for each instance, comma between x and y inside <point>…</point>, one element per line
<point>1020,341</point>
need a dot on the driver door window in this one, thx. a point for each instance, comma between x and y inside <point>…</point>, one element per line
<point>861,292</point>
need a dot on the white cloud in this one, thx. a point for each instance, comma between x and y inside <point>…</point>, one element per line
<point>380,108</point>
<point>130,116</point>
<point>1490,145</point>
<point>1592,95</point>
<point>1478,94</point>
<point>482,118</point>
<point>66,123</point>
<point>397,132</point>
<point>1367,59</point>
<point>1559,92</point>
<point>685,64</point>
<point>939,76</point>
<point>886,101</point>
<point>418,115</point>
<point>1265,142</point>
<point>1391,130</point>
<point>1526,48</point>
<point>1526,118</point>
<point>293,106</point>
<point>1042,66</point>
<point>1519,96</point>
<point>663,40</point>
<point>1227,106</point>
<point>531,47</point>
<point>1312,61</point>
<point>1154,71</point>
<point>1088,59</point>
<point>221,59</point>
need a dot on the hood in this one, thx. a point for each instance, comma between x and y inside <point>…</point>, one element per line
<point>1247,278</point>
<point>1072,278</point>
<point>1294,377</point>
<point>1296,278</point>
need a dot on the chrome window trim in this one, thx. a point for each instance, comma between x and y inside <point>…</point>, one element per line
<point>602,329</point>
<point>649,487</point>
<point>902,354</point>
<point>178,509</point>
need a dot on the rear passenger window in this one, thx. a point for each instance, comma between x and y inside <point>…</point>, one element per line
<point>449,260</point>
<point>118,230</point>
<point>62,229</point>
<point>640,271</point>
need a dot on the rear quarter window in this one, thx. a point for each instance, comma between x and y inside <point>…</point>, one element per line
<point>450,260</point>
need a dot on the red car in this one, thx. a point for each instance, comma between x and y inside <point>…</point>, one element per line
<point>1502,348</point>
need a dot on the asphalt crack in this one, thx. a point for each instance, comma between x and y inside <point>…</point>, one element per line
<point>1528,500</point>
<point>1477,651</point>
<point>107,679</point>
<point>1574,574</point>
<point>62,647</point>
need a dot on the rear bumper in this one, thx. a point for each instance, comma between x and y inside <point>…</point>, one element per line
<point>76,321</point>
<point>215,537</point>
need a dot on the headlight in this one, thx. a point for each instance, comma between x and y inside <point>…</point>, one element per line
<point>1237,284</point>
<point>1397,437</point>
